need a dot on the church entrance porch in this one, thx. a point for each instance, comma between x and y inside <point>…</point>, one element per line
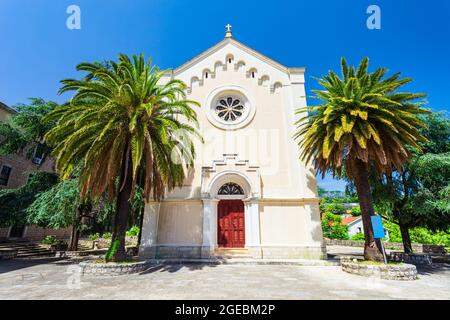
<point>231,224</point>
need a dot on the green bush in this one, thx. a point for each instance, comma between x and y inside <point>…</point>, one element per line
<point>356,211</point>
<point>94,236</point>
<point>358,236</point>
<point>107,235</point>
<point>418,235</point>
<point>333,228</point>
<point>422,235</point>
<point>133,232</point>
<point>51,240</point>
<point>334,208</point>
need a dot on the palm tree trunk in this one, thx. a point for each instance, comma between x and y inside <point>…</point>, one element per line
<point>372,247</point>
<point>406,239</point>
<point>123,209</point>
<point>75,232</point>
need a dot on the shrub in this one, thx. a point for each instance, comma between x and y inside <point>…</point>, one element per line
<point>333,228</point>
<point>51,240</point>
<point>133,232</point>
<point>94,236</point>
<point>358,236</point>
<point>107,235</point>
<point>355,212</point>
<point>422,235</point>
<point>418,235</point>
<point>334,208</point>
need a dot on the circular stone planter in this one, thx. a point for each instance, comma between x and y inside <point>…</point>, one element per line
<point>401,271</point>
<point>113,269</point>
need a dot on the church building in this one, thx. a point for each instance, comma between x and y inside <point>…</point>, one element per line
<point>248,192</point>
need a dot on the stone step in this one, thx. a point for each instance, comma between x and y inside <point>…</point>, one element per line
<point>233,253</point>
<point>217,261</point>
<point>18,245</point>
<point>35,254</point>
<point>27,249</point>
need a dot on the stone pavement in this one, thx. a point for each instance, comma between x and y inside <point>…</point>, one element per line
<point>58,279</point>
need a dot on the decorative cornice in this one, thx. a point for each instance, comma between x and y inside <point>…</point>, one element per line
<point>224,161</point>
<point>290,201</point>
<point>244,48</point>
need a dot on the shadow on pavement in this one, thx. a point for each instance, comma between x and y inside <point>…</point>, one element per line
<point>435,268</point>
<point>18,263</point>
<point>176,267</point>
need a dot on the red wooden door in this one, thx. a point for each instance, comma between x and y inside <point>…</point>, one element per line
<point>231,224</point>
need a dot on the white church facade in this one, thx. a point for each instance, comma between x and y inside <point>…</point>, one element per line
<point>248,189</point>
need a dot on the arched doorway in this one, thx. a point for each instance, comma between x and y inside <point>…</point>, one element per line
<point>230,216</point>
<point>217,189</point>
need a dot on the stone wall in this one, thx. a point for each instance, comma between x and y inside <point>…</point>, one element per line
<point>35,233</point>
<point>417,247</point>
<point>21,167</point>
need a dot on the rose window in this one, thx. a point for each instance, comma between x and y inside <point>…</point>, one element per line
<point>229,109</point>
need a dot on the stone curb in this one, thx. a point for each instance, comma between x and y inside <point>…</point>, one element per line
<point>237,261</point>
<point>113,269</point>
<point>387,272</point>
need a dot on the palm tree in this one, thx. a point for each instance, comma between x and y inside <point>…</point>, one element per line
<point>125,128</point>
<point>363,124</point>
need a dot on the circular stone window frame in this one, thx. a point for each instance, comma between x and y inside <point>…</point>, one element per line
<point>234,91</point>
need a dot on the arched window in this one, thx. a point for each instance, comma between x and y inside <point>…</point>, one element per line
<point>230,188</point>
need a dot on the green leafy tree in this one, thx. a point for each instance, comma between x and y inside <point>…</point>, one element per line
<point>23,134</point>
<point>14,202</point>
<point>437,132</point>
<point>124,128</point>
<point>25,130</point>
<point>429,206</point>
<point>55,207</point>
<point>418,194</point>
<point>60,207</point>
<point>363,122</point>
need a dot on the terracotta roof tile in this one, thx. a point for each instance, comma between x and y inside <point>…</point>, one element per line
<point>350,220</point>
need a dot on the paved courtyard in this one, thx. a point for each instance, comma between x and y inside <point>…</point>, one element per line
<point>55,279</point>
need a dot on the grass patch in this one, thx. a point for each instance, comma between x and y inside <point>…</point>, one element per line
<point>101,261</point>
<point>377,262</point>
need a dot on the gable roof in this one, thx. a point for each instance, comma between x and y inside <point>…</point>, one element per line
<point>8,109</point>
<point>241,46</point>
<point>350,220</point>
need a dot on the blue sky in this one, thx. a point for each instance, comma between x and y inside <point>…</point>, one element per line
<point>38,50</point>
